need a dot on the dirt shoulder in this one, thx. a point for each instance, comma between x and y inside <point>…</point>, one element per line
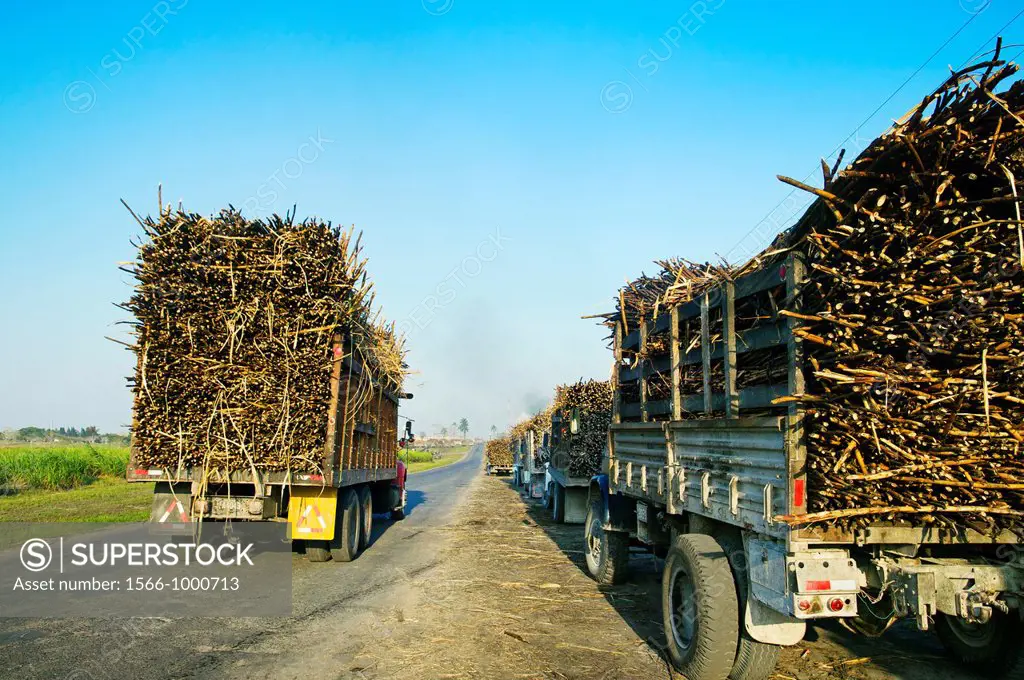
<point>511,599</point>
<point>508,602</point>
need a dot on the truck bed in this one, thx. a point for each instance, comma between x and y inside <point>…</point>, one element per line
<point>362,440</point>
<point>732,450</point>
<point>744,472</point>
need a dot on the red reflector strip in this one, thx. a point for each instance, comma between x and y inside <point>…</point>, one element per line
<point>142,472</point>
<point>798,493</point>
<point>816,586</point>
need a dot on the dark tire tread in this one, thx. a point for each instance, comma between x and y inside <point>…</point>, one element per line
<point>754,660</point>
<point>1002,659</point>
<point>318,551</point>
<point>365,516</point>
<point>613,565</point>
<point>346,525</point>
<point>713,651</point>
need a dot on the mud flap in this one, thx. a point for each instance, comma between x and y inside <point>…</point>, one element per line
<point>764,624</point>
<point>171,512</point>
<point>311,512</point>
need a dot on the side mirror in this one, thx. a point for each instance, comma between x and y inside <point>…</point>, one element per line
<point>574,424</point>
<point>408,429</point>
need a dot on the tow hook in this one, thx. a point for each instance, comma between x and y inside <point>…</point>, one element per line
<point>977,607</point>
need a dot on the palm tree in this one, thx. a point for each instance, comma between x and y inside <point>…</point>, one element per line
<point>464,427</point>
<point>494,430</point>
<point>444,431</point>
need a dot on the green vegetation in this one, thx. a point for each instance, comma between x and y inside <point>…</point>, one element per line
<point>414,456</point>
<point>64,435</point>
<point>74,483</point>
<point>55,468</point>
<point>106,500</point>
<point>418,461</point>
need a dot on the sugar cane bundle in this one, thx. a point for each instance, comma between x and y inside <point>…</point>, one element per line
<point>537,425</point>
<point>591,401</point>
<point>499,452</point>
<point>235,327</point>
<point>915,309</point>
<point>541,425</point>
<point>912,316</point>
<point>677,281</point>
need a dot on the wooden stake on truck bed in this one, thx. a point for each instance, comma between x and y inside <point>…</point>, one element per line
<point>732,397</point>
<point>705,348</point>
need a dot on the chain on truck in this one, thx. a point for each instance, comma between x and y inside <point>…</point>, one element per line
<point>709,495</point>
<point>329,513</point>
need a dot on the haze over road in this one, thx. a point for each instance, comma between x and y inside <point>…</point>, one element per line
<point>338,608</point>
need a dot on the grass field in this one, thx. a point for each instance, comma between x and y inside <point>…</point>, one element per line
<point>59,468</point>
<point>106,500</point>
<point>423,460</point>
<point>79,483</point>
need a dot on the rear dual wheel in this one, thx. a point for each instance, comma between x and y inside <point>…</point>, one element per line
<point>994,647</point>
<point>704,596</point>
<point>607,552</point>
<point>699,608</point>
<point>366,516</point>
<point>349,529</point>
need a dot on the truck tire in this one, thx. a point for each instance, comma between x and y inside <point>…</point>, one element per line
<point>345,544</point>
<point>399,512</point>
<point>607,552</point>
<point>558,503</point>
<point>993,648</point>
<point>699,608</point>
<point>365,516</point>
<point>754,660</point>
<point>318,551</point>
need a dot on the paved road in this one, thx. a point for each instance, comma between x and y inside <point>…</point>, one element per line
<point>338,610</point>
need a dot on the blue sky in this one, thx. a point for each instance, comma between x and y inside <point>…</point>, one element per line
<point>511,164</point>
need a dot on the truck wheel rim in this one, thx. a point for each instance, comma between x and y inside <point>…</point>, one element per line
<point>975,635</point>
<point>684,609</point>
<point>594,539</point>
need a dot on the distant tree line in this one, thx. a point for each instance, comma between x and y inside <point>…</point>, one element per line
<point>89,433</point>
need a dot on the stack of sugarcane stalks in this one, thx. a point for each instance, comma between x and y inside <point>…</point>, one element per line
<point>912,316</point>
<point>238,326</point>
<point>499,452</point>
<point>541,426</point>
<point>591,401</point>
<point>538,424</point>
<point>677,281</point>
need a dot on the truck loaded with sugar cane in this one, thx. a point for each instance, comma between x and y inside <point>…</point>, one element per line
<point>530,438</point>
<point>580,417</point>
<point>834,429</point>
<point>266,389</point>
<point>498,453</point>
